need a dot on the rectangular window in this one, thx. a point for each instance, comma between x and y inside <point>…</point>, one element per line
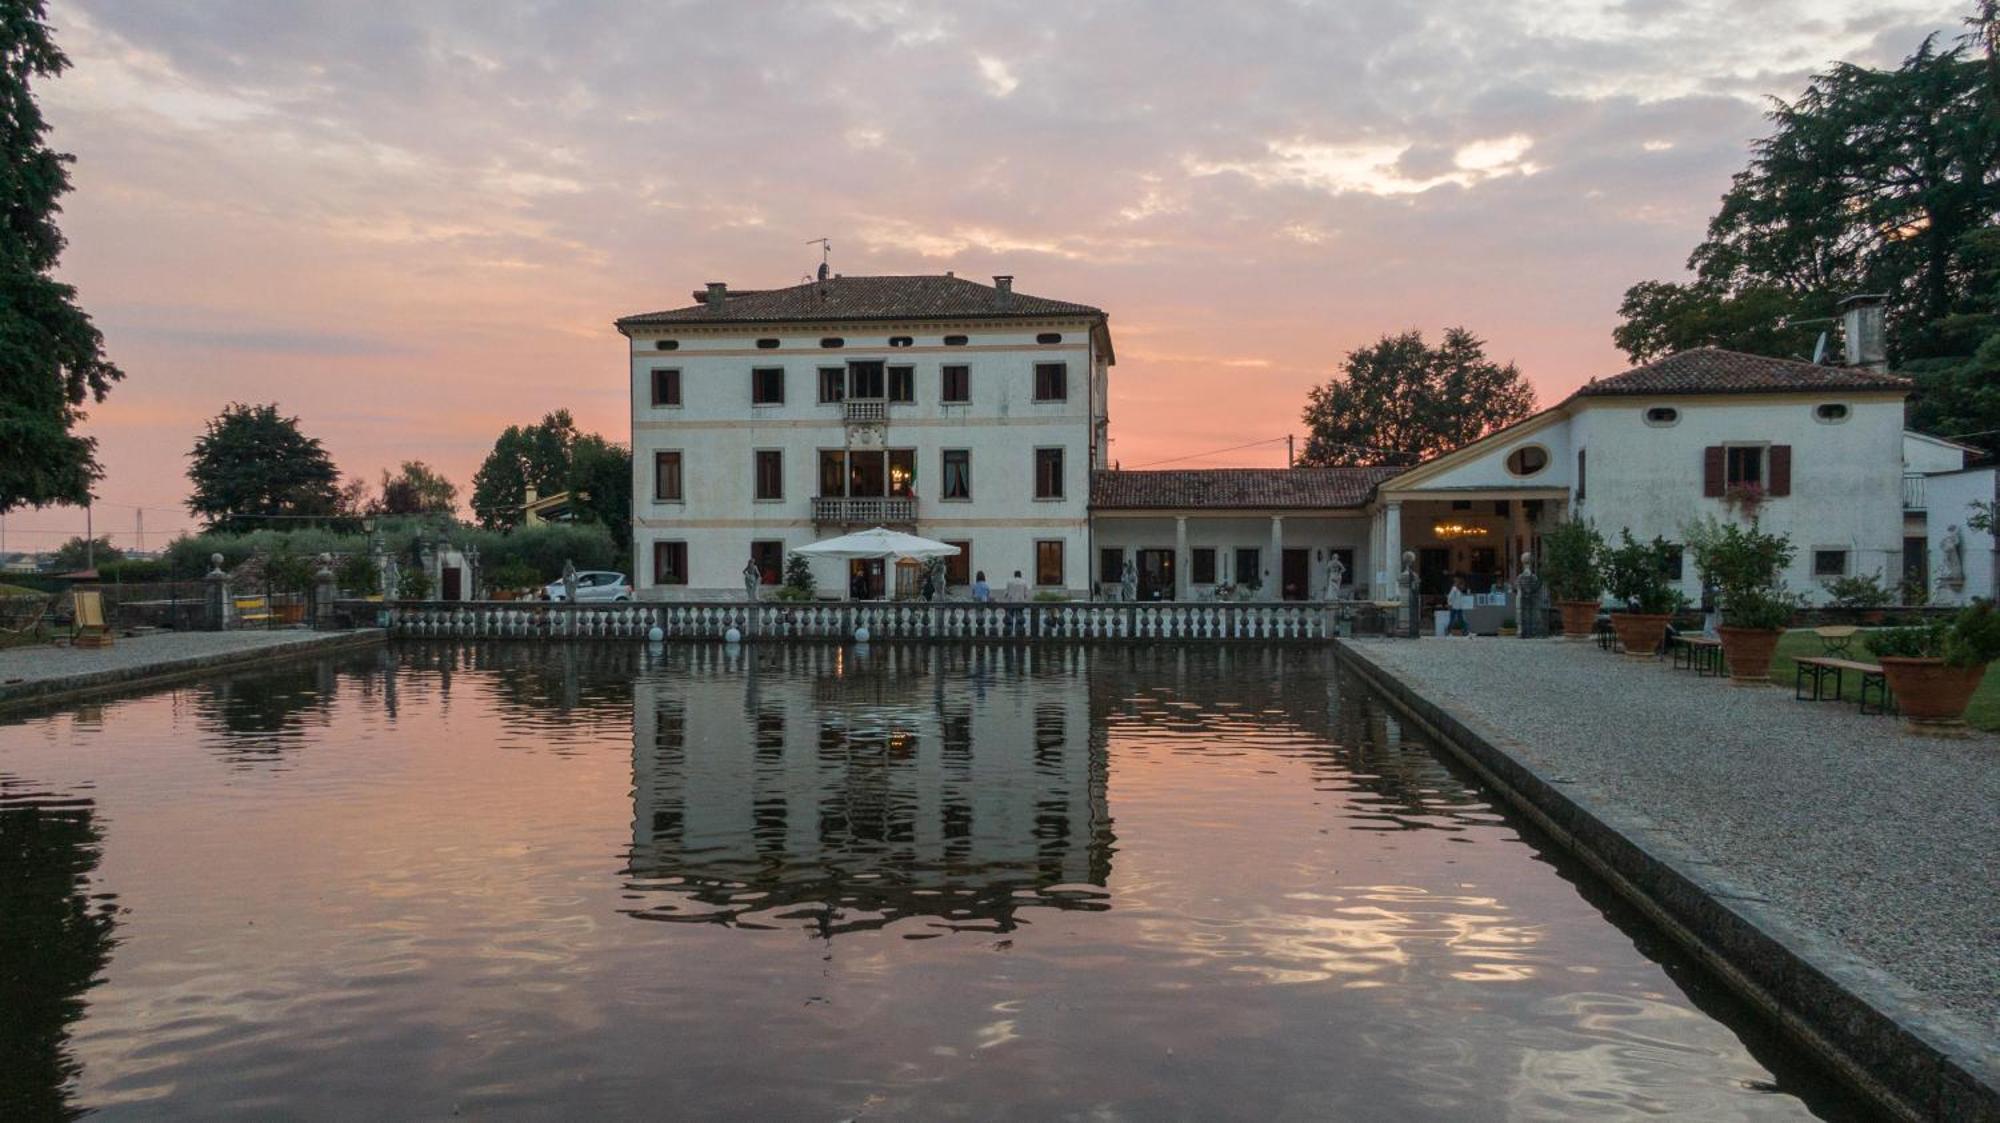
<point>670,563</point>
<point>666,387</point>
<point>1248,569</point>
<point>770,559</point>
<point>1829,563</point>
<point>770,473</point>
<point>1676,562</point>
<point>832,474</point>
<point>1745,466</point>
<point>864,381</point>
<point>903,472</point>
<point>832,383</point>
<point>866,475</point>
<point>1581,464</point>
<point>955,385</point>
<point>1051,382</point>
<point>957,474</point>
<point>767,386</point>
<point>958,567</point>
<point>1110,565</point>
<point>1202,567</point>
<point>667,477</point>
<point>902,384</point>
<point>1048,473</point>
<point>1049,562</point>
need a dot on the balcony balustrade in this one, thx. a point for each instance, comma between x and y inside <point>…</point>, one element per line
<point>867,412</point>
<point>1913,493</point>
<point>870,510</point>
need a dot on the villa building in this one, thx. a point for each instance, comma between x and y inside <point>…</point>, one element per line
<point>766,419</point>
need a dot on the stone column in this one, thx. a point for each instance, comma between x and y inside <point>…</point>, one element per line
<point>1391,562</point>
<point>1274,589</point>
<point>1182,560</point>
<point>218,595</point>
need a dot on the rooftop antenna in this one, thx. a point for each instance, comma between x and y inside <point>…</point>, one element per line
<point>825,254</point>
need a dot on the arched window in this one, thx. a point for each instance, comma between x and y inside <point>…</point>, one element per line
<point>901,341</point>
<point>832,341</point>
<point>1830,413</point>
<point>954,341</point>
<point>1660,417</point>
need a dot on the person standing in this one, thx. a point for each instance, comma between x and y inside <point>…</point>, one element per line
<point>1457,600</point>
<point>981,591</point>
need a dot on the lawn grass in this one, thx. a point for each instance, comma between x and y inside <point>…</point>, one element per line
<point>1983,713</point>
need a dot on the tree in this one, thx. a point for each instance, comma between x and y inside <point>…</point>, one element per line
<point>416,489</point>
<point>1662,317</point>
<point>1401,401</point>
<point>252,466</point>
<point>600,485</point>
<point>51,355</point>
<point>78,553</point>
<point>536,454</point>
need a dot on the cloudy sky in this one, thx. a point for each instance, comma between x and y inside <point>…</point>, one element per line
<point>411,224</point>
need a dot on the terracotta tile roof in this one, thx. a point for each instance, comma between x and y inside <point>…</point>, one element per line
<point>1225,488</point>
<point>865,298</point>
<point>1711,370</point>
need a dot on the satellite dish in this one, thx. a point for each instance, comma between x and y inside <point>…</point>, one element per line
<point>1819,350</point>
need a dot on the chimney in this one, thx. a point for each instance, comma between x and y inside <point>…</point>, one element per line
<point>716,291</point>
<point>1004,282</point>
<point>1866,344</point>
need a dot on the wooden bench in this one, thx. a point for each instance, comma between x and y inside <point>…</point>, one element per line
<point>1700,654</point>
<point>1818,668</point>
<point>1835,638</point>
<point>254,610</point>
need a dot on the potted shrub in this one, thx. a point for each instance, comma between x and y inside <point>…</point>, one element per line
<point>1637,575</point>
<point>1933,669</point>
<point>1570,568</point>
<point>1743,564</point>
<point>1863,596</point>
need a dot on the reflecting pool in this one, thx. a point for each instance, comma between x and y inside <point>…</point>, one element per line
<point>817,883</point>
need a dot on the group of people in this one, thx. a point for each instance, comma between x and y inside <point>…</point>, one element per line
<point>1015,591</point>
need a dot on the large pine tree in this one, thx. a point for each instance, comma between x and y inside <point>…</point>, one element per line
<point>51,355</point>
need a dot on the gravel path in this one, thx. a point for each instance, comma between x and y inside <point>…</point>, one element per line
<point>1885,843</point>
<point>26,671</point>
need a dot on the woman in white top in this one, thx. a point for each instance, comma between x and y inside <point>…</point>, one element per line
<point>1457,600</point>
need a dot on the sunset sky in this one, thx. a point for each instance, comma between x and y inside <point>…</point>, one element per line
<point>411,224</point>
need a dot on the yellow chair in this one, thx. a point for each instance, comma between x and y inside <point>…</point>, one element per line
<point>90,629</point>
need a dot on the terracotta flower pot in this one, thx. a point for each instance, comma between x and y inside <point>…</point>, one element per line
<point>1929,691</point>
<point>1748,652</point>
<point>1640,632</point>
<point>1578,616</point>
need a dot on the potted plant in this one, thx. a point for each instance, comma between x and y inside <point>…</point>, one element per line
<point>1864,596</point>
<point>1743,565</point>
<point>1933,669</point>
<point>1570,568</point>
<point>1637,575</point>
<point>1508,627</point>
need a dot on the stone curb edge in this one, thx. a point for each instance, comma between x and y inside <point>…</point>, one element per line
<point>1852,1016</point>
<point>70,688</point>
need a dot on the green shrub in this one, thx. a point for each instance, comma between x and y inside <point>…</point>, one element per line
<point>1969,639</point>
<point>134,571</point>
<point>357,575</point>
<point>1051,595</point>
<point>514,575</point>
<point>1864,591</point>
<point>799,581</point>
<point>1766,609</point>
<point>792,593</point>
<point>1638,574</point>
<point>1570,561</point>
<point>414,584</point>
<point>1744,566</point>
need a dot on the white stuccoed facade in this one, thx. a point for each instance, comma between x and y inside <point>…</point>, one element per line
<point>717,430</point>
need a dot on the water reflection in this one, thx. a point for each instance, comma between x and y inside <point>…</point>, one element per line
<point>55,937</point>
<point>859,795</point>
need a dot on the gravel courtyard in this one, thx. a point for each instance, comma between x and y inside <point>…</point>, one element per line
<point>1883,842</point>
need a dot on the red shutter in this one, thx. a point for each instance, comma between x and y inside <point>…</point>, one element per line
<point>1711,471</point>
<point>1781,470</point>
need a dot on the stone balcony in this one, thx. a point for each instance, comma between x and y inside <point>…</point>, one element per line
<point>837,510</point>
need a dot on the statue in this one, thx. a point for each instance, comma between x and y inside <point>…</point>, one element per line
<point>752,577</point>
<point>1531,608</point>
<point>1951,558</point>
<point>1336,577</point>
<point>1128,582</point>
<point>392,578</point>
<point>569,581</point>
<point>1412,590</point>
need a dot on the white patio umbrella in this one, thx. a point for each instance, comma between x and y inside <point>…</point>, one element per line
<point>878,543</point>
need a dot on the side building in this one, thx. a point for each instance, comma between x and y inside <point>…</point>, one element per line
<point>766,419</point>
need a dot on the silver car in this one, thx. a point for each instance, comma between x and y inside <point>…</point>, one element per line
<point>592,584</point>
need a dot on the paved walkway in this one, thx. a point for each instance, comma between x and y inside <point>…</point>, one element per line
<point>1884,844</point>
<point>30,673</point>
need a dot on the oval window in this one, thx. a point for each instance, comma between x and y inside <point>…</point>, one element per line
<point>1833,413</point>
<point>954,341</point>
<point>667,344</point>
<point>1663,416</point>
<point>1049,337</point>
<point>901,341</point>
<point>1527,460</point>
<point>832,341</point>
<point>767,345</point>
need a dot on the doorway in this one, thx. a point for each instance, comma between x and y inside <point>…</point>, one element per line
<point>1916,565</point>
<point>1295,574</point>
<point>451,582</point>
<point>1433,570</point>
<point>865,579</point>
<point>1156,575</point>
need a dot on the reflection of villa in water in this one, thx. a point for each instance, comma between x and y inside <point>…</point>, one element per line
<point>861,794</point>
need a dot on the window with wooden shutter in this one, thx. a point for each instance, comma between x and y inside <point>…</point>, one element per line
<point>1781,470</point>
<point>1712,461</point>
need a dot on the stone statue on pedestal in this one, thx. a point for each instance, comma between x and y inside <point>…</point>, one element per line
<point>1336,577</point>
<point>752,577</point>
<point>569,581</point>
<point>1412,590</point>
<point>1951,558</point>
<point>1531,600</point>
<point>1128,582</point>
